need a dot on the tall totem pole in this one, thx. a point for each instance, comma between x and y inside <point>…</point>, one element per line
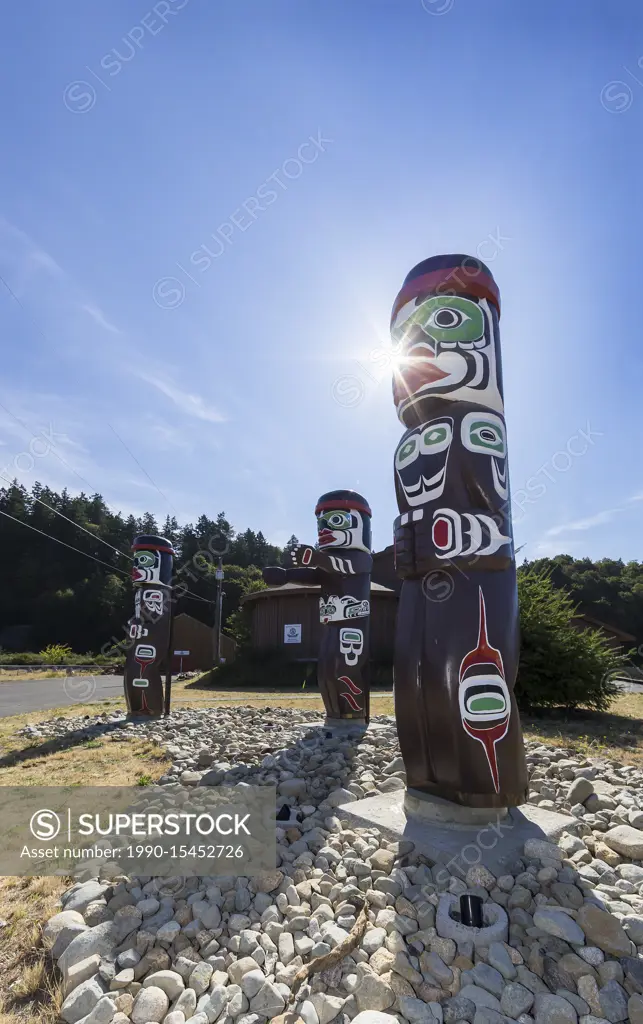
<point>457,640</point>
<point>343,527</point>
<point>150,628</point>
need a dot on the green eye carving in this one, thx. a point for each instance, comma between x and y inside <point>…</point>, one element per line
<point>445,318</point>
<point>407,452</point>
<point>334,521</point>
<point>484,434</point>
<point>145,559</point>
<point>436,438</point>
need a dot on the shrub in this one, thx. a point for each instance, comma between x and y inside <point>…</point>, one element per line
<point>56,654</point>
<point>20,658</point>
<point>51,656</point>
<point>560,666</point>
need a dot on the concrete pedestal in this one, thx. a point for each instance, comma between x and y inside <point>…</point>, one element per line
<point>437,811</point>
<point>345,724</point>
<point>458,837</point>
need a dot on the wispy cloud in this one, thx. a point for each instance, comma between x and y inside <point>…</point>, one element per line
<point>33,255</point>
<point>189,403</point>
<point>167,438</point>
<point>99,317</point>
<point>61,444</point>
<point>585,524</point>
<point>549,548</point>
<point>36,280</point>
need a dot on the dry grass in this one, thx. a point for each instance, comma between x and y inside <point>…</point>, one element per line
<point>30,989</point>
<point>616,734</point>
<point>96,762</point>
<point>25,675</point>
<point>10,741</point>
<point>13,676</point>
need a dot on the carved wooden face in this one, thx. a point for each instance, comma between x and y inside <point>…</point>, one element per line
<point>484,434</point>
<point>344,528</point>
<point>147,567</point>
<point>448,349</point>
<point>153,559</point>
<point>452,480</point>
<point>421,460</point>
<point>148,603</point>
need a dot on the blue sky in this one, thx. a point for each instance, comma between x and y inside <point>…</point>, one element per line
<point>319,150</point>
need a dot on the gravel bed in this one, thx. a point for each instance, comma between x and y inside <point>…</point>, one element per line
<point>563,937</point>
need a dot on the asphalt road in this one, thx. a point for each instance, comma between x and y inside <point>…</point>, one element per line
<point>628,687</point>
<point>40,694</point>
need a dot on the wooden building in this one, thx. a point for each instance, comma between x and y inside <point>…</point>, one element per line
<point>617,638</point>
<point>189,634</point>
<point>287,619</point>
<point>383,571</point>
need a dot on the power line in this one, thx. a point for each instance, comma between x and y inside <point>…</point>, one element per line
<point>88,532</point>
<point>143,470</point>
<point>73,522</point>
<point>78,551</point>
<point>82,478</point>
<point>91,487</point>
<point>188,593</point>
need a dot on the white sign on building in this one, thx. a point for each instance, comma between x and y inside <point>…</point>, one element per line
<point>292,633</point>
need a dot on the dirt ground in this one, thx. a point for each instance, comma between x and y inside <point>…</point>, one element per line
<point>30,989</point>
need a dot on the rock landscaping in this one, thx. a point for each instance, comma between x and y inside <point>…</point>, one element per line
<point>567,919</point>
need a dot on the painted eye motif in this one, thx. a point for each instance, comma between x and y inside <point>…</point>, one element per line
<point>145,559</point>
<point>338,520</point>
<point>484,434</point>
<point>486,700</point>
<point>447,318</point>
<point>435,438</point>
<point>451,319</point>
<point>407,452</point>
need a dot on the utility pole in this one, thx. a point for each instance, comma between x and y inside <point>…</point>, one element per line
<point>168,674</point>
<point>218,575</point>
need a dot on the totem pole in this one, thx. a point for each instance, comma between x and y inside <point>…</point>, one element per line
<point>150,628</point>
<point>343,526</point>
<point>457,639</point>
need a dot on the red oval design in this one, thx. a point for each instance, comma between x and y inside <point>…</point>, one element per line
<point>441,531</point>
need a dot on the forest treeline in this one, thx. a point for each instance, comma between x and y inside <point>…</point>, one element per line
<point>65,597</point>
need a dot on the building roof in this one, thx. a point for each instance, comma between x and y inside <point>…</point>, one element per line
<point>302,589</point>
<point>594,623</point>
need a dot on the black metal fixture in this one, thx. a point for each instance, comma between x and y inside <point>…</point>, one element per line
<point>471,911</point>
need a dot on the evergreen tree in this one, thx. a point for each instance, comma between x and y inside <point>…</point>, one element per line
<point>286,559</point>
<point>171,529</point>
<point>67,598</point>
<point>559,664</point>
